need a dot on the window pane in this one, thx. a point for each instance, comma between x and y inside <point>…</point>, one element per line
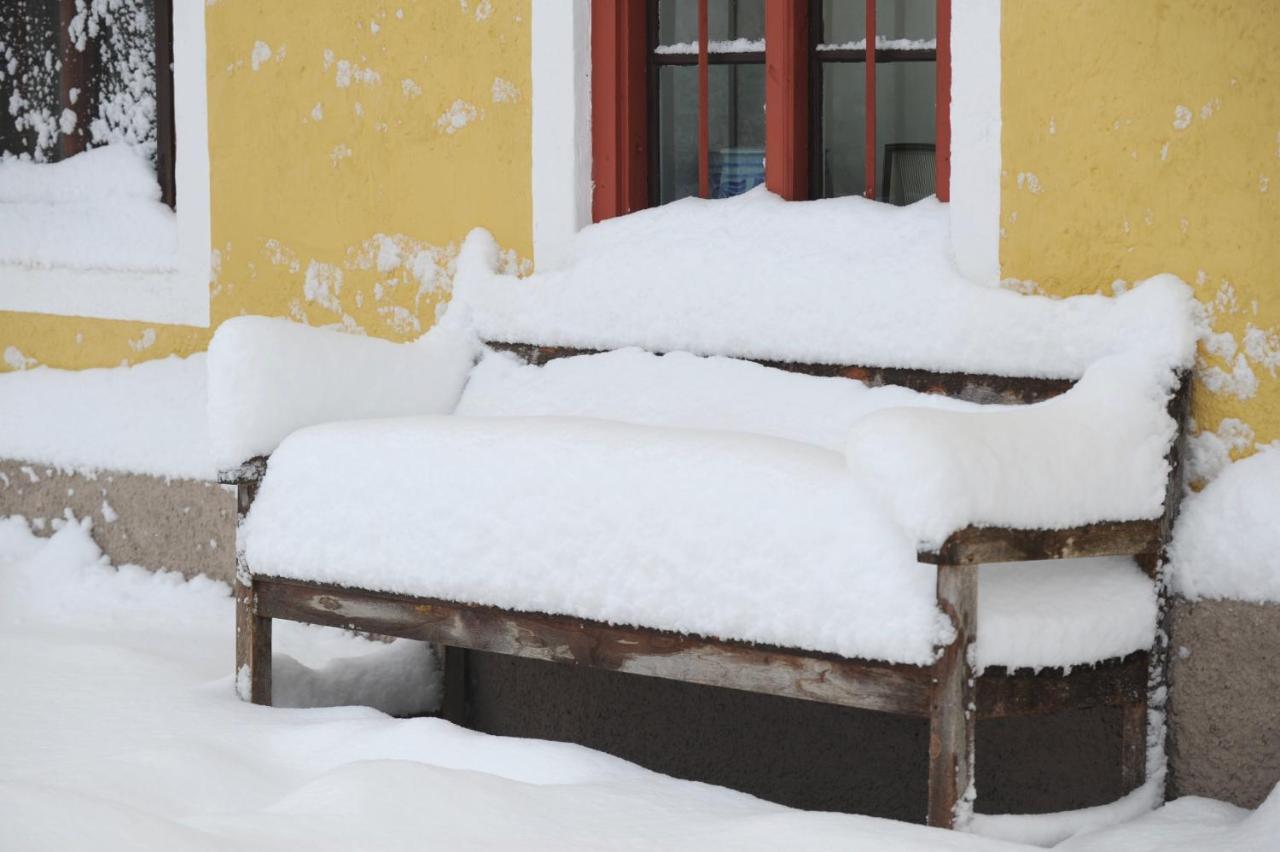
<point>842,158</point>
<point>29,78</point>
<point>844,22</point>
<point>110,89</point>
<point>736,128</point>
<point>913,20</point>
<point>727,20</point>
<point>677,116</point>
<point>904,131</point>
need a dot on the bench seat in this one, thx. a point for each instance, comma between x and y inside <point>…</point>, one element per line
<point>667,528</point>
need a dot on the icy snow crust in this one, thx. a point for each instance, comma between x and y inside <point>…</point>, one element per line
<point>842,281</point>
<point>1226,543</point>
<point>100,209</point>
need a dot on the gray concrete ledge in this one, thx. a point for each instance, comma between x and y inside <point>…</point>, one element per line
<point>1224,680</point>
<point>179,525</point>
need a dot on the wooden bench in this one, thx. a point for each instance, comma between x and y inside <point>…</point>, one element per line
<point>946,692</point>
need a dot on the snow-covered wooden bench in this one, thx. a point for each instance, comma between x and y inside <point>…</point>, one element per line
<point>808,527</point>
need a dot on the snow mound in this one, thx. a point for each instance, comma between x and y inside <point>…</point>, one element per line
<point>1226,543</point>
<point>100,209</point>
<point>148,418</point>
<point>1190,824</point>
<point>269,377</point>
<point>843,280</point>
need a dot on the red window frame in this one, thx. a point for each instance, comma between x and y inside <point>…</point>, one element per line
<point>620,102</point>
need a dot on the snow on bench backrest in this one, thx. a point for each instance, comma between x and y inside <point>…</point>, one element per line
<point>848,281</point>
<point>837,281</point>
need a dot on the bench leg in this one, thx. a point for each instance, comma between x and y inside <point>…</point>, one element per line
<point>952,711</point>
<point>1133,746</point>
<point>253,648</point>
<point>453,703</point>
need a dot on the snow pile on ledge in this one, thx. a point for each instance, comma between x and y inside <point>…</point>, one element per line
<point>269,377</point>
<point>844,280</point>
<point>100,209</point>
<point>149,418</point>
<point>1226,543</point>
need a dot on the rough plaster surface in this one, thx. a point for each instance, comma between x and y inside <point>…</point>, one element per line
<point>181,525</point>
<point>1225,693</point>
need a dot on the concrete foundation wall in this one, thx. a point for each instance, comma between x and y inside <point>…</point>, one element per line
<point>1224,679</point>
<point>179,525</point>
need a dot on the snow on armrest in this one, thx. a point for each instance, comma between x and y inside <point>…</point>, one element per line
<point>269,377</point>
<point>1095,453</point>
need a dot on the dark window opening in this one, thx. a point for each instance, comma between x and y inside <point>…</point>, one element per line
<point>78,76</point>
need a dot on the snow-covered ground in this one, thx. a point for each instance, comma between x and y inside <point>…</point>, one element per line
<point>121,730</point>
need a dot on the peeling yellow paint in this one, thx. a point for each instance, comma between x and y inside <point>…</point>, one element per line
<point>1152,138</point>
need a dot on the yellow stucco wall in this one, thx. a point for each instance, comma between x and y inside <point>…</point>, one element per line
<point>352,146</point>
<point>1142,137</point>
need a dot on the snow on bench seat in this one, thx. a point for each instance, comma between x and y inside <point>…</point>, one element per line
<point>723,534</point>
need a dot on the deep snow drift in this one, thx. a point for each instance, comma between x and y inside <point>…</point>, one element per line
<point>122,731</point>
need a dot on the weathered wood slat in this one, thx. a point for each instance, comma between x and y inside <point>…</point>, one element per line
<point>953,708</point>
<point>253,648</point>
<point>980,545</point>
<point>974,387</point>
<point>778,671</point>
<point>1133,745</point>
<point>453,702</point>
<point>1113,683</point>
<point>870,685</point>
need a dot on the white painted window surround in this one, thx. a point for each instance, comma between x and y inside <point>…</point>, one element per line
<point>180,297</point>
<point>561,72</point>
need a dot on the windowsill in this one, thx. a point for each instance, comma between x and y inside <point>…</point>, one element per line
<point>169,298</point>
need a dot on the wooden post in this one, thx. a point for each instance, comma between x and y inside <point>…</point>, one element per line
<point>453,703</point>
<point>253,632</point>
<point>953,709</point>
<point>253,647</point>
<point>1133,746</point>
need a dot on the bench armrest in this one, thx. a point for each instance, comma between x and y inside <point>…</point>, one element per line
<point>269,377</point>
<point>1097,454</point>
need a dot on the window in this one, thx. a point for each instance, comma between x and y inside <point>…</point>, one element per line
<point>712,97</point>
<point>103,130</point>
<point>76,75</point>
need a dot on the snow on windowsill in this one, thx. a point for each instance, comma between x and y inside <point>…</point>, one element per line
<point>884,43</point>
<point>737,45</point>
<point>97,211</point>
